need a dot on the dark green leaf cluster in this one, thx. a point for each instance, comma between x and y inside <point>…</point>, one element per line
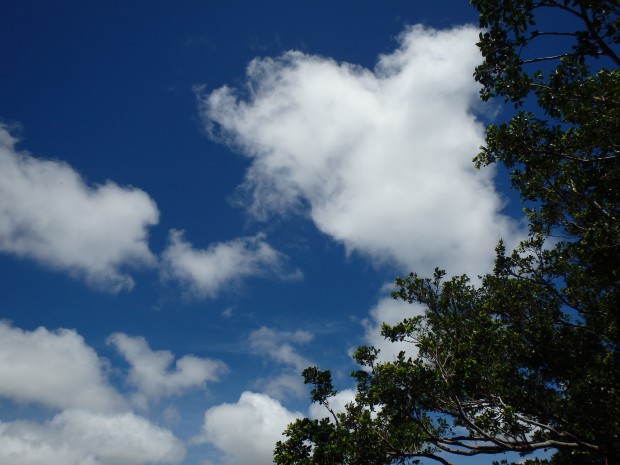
<point>528,359</point>
<point>511,26</point>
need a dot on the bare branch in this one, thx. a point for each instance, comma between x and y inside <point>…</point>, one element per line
<point>598,39</point>
<point>548,58</point>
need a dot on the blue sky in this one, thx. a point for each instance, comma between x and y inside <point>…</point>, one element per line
<point>200,199</point>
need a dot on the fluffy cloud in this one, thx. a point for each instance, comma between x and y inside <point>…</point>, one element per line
<point>247,431</point>
<point>381,159</point>
<point>150,370</point>
<point>390,311</point>
<point>49,214</point>
<point>56,369</point>
<point>206,272</point>
<point>76,437</point>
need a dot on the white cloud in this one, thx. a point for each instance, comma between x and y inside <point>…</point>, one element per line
<point>278,346</point>
<point>150,370</point>
<point>247,431</point>
<point>380,158</point>
<point>283,386</point>
<point>337,403</point>
<point>49,214</point>
<point>390,311</point>
<point>56,369</point>
<point>76,437</point>
<point>207,272</point>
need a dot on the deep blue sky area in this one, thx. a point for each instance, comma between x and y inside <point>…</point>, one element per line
<point>200,198</point>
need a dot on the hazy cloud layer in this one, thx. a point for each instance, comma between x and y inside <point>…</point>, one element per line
<point>246,432</point>
<point>205,272</point>
<point>75,437</point>
<point>150,371</point>
<point>49,214</point>
<point>380,159</point>
<point>53,368</point>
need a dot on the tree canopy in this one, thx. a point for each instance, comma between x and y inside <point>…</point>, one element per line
<point>526,360</point>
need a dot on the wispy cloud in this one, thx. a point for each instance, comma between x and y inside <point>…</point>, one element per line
<point>379,159</point>
<point>48,213</point>
<point>279,346</point>
<point>206,272</point>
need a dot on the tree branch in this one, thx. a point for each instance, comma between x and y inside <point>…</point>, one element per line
<point>598,39</point>
<point>548,58</point>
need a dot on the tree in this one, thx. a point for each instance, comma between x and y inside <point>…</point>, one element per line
<point>527,359</point>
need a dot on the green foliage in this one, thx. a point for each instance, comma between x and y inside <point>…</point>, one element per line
<point>528,359</point>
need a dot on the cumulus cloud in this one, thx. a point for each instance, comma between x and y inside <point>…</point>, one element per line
<point>150,370</point>
<point>49,214</point>
<point>206,272</point>
<point>53,368</point>
<point>390,311</point>
<point>279,346</point>
<point>93,426</point>
<point>76,437</point>
<point>379,159</point>
<point>247,431</point>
